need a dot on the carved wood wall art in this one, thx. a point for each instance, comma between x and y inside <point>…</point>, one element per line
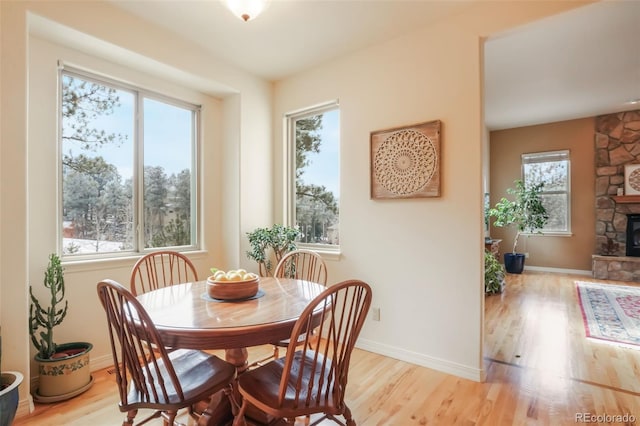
<point>632,179</point>
<point>405,161</point>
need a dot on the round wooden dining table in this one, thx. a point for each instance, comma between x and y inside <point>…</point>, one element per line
<point>186,317</point>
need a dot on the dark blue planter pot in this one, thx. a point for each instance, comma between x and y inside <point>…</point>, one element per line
<point>514,262</point>
<point>9,396</point>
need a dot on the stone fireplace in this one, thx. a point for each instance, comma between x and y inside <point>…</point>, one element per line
<point>617,142</point>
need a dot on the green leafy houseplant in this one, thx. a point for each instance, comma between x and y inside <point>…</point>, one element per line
<point>494,274</point>
<point>526,212</point>
<point>269,244</point>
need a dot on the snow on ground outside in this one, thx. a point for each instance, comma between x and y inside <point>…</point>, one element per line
<point>89,246</point>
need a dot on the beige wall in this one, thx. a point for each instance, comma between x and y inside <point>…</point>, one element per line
<point>236,160</point>
<point>563,252</point>
<point>422,257</point>
<point>43,182</point>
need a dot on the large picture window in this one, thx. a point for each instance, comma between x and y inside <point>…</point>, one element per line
<point>313,147</point>
<point>552,168</point>
<point>128,161</point>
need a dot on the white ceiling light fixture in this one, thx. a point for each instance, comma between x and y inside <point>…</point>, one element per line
<point>247,9</point>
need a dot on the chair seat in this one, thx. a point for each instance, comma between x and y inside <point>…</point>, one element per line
<point>197,372</point>
<point>262,385</point>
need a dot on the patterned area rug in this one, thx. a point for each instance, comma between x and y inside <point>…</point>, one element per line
<point>611,312</point>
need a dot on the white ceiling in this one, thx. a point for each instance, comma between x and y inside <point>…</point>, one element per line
<point>580,63</point>
<point>290,35</point>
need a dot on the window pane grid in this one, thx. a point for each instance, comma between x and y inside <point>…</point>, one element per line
<point>552,169</point>
<point>313,175</point>
<point>118,196</point>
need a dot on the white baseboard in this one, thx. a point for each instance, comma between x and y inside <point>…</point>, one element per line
<point>557,270</point>
<point>101,362</point>
<point>448,367</point>
<point>25,406</point>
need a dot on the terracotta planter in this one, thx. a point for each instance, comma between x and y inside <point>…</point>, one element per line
<point>64,376</point>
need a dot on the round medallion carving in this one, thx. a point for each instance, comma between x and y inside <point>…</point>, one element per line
<point>634,179</point>
<point>405,162</point>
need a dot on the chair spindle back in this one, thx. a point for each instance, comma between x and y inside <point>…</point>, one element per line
<point>160,269</point>
<point>138,352</point>
<point>303,265</point>
<point>337,316</point>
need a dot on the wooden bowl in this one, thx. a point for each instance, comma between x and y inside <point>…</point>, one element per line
<point>231,290</point>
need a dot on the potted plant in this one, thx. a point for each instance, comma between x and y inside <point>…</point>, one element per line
<point>9,394</point>
<point>526,213</point>
<point>63,369</point>
<point>268,245</point>
<point>494,274</point>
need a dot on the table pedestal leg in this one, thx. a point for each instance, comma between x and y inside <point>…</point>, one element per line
<point>217,412</point>
<point>237,357</point>
<point>219,409</point>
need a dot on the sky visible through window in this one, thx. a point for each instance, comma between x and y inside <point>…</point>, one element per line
<point>166,125</point>
<point>324,167</point>
<point>165,129</point>
<point>103,146</point>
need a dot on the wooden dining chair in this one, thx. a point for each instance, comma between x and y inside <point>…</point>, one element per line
<point>312,379</point>
<point>156,379</point>
<point>160,269</point>
<point>302,265</point>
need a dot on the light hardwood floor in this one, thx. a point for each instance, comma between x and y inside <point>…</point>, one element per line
<point>541,370</point>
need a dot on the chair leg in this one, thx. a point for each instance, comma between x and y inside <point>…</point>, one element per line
<point>348,417</point>
<point>130,416</point>
<point>196,410</point>
<point>231,392</point>
<point>276,352</point>
<point>239,418</point>
<point>169,418</point>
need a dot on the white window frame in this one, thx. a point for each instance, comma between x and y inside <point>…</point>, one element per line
<point>548,156</point>
<point>326,250</point>
<point>138,161</point>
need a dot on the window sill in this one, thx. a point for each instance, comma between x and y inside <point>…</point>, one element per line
<point>104,263</point>
<point>327,252</point>
<point>549,234</point>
